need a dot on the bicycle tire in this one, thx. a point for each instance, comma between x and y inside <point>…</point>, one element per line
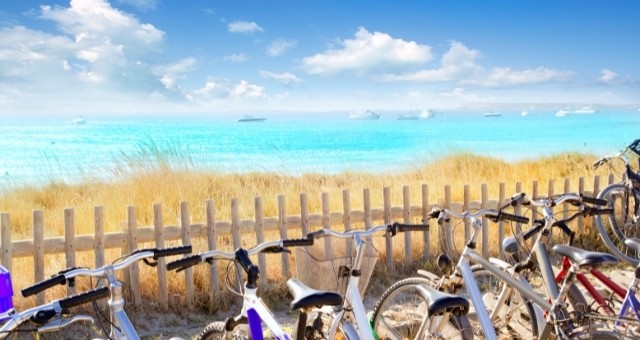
<point>597,334</point>
<point>401,310</point>
<point>617,227</point>
<point>522,322</point>
<point>216,330</point>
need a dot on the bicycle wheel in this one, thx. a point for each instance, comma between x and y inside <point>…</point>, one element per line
<point>622,224</point>
<point>516,317</point>
<point>215,330</point>
<point>400,311</point>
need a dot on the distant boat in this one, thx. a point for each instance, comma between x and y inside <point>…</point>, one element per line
<point>80,120</point>
<point>249,118</point>
<point>524,113</point>
<point>428,113</point>
<point>408,116</point>
<point>368,114</point>
<point>583,110</point>
<point>491,114</point>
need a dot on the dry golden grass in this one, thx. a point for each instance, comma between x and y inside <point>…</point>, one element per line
<point>152,177</point>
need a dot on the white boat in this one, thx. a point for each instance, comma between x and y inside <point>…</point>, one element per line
<point>368,114</point>
<point>408,116</point>
<point>524,113</point>
<point>581,111</point>
<point>249,118</point>
<point>80,120</point>
<point>584,110</point>
<point>491,114</point>
<point>428,113</point>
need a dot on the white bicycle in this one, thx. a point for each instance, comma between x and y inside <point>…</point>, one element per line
<point>49,317</point>
<point>121,327</point>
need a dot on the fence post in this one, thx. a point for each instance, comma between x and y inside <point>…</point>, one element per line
<point>185,228</point>
<point>212,240</point>
<point>596,191</point>
<point>326,224</point>
<point>386,193</point>
<point>517,209</point>
<point>282,226</point>
<point>426,254</point>
<point>38,254</point>
<point>5,242</point>
<point>304,215</point>
<point>98,222</point>
<point>550,188</point>
<point>134,269</point>
<point>485,222</point>
<point>158,230</point>
<point>534,195</point>
<point>346,219</point>
<point>406,212</point>
<point>581,191</point>
<point>366,202</point>
<point>465,207</point>
<point>262,263</point>
<point>501,194</point>
<point>69,243</point>
<point>444,232</point>
<point>567,188</point>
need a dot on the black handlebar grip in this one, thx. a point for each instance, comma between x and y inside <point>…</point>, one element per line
<point>315,234</point>
<point>82,298</point>
<point>57,279</point>
<point>605,211</point>
<point>513,218</point>
<point>593,200</point>
<point>184,263</point>
<point>531,231</point>
<point>180,250</point>
<point>411,227</point>
<point>297,242</point>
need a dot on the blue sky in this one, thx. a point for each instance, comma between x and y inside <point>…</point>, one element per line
<point>214,57</point>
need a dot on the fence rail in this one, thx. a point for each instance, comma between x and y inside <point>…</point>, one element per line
<point>211,229</point>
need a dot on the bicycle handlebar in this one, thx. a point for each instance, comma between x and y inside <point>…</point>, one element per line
<point>266,247</point>
<point>85,297</point>
<point>63,276</point>
<point>492,214</point>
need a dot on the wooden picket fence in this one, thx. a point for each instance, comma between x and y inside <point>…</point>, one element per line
<point>211,229</point>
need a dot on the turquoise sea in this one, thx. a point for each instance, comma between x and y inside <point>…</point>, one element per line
<point>39,150</point>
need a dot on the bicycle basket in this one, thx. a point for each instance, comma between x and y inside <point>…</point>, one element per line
<point>319,270</point>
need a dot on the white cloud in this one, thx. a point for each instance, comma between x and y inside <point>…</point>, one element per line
<point>285,78</point>
<point>220,89</point>
<point>368,52</point>
<point>607,76</point>
<point>236,58</point>
<point>461,64</point>
<point>244,27</point>
<point>170,74</point>
<point>279,46</point>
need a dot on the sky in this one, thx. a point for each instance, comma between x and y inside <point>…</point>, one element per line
<point>128,57</point>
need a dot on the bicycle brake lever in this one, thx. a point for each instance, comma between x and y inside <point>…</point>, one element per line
<point>149,263</point>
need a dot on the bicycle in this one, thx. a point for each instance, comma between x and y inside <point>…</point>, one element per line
<point>443,312</point>
<point>518,304</point>
<point>248,324</point>
<point>624,198</point>
<point>121,327</point>
<point>52,316</point>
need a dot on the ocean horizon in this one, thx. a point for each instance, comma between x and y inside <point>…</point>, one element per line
<point>36,150</point>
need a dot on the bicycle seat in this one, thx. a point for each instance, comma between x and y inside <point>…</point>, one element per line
<point>305,297</point>
<point>584,258</point>
<point>439,302</point>
<point>633,242</point>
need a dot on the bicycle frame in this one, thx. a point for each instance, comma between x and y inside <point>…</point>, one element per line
<point>353,303</point>
<point>257,312</point>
